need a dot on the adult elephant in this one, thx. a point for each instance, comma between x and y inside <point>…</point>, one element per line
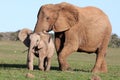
<point>76,29</point>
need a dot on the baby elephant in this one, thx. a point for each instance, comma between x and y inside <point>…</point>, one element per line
<point>39,44</point>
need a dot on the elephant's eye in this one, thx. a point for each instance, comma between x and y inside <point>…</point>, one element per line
<point>47,18</point>
<point>37,40</point>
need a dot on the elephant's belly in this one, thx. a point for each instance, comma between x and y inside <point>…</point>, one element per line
<point>88,50</point>
<point>90,46</point>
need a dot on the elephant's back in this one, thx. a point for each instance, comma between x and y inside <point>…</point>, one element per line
<point>94,17</point>
<point>95,27</point>
<point>92,10</point>
<point>91,13</point>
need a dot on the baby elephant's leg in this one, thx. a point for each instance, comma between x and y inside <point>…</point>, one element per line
<point>30,61</point>
<point>41,62</point>
<point>48,64</point>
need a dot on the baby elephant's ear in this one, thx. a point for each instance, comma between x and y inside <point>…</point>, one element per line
<point>23,36</point>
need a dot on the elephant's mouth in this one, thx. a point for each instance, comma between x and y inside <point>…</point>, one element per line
<point>47,30</point>
<point>36,48</point>
<point>36,51</point>
<point>36,54</point>
<point>50,29</point>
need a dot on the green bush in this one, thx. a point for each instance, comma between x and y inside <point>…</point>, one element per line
<point>9,36</point>
<point>115,41</point>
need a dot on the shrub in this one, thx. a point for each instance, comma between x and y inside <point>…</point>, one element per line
<point>115,41</point>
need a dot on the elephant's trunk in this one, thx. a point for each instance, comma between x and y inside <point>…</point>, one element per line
<point>38,27</point>
<point>31,48</point>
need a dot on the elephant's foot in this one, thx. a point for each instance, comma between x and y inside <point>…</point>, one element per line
<point>47,68</point>
<point>30,67</point>
<point>41,68</point>
<point>99,71</point>
<point>102,69</point>
<point>95,70</point>
<point>64,67</point>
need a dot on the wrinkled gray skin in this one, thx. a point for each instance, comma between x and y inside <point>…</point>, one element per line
<point>41,45</point>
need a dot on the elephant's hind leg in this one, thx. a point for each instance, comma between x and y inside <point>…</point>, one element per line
<point>41,63</point>
<point>100,65</point>
<point>103,67</point>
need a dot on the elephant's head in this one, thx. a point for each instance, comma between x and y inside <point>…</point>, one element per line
<point>57,17</point>
<point>31,39</point>
<point>34,40</point>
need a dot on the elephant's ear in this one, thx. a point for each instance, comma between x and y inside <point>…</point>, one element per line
<point>67,17</point>
<point>24,36</point>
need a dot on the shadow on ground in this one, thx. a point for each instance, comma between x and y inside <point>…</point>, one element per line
<point>20,66</point>
<point>13,66</point>
<point>81,70</point>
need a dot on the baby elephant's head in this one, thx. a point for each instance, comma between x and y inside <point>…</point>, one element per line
<point>34,39</point>
<point>31,39</point>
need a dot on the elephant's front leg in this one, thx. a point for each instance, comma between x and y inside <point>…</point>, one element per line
<point>59,43</point>
<point>41,62</point>
<point>30,57</point>
<point>67,50</point>
<point>70,45</point>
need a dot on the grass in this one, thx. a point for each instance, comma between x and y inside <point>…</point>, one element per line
<point>13,65</point>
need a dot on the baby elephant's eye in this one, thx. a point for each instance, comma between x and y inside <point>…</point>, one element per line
<point>47,18</point>
<point>37,40</point>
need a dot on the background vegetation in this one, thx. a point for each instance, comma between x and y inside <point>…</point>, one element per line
<point>115,41</point>
<point>12,36</point>
<point>9,36</point>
